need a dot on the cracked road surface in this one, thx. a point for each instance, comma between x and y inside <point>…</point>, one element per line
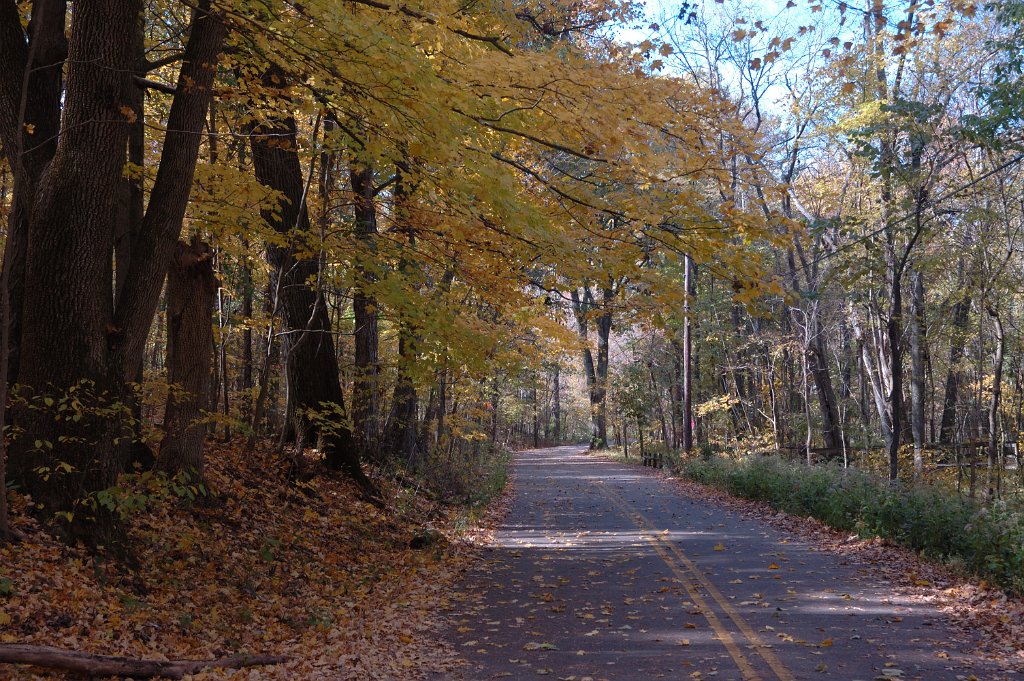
<point>604,571</point>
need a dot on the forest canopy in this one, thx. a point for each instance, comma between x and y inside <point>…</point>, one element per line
<point>390,233</point>
<point>287,281</point>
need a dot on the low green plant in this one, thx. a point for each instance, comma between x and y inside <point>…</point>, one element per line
<point>933,521</point>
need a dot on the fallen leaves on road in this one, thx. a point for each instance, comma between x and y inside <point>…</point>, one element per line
<point>984,614</point>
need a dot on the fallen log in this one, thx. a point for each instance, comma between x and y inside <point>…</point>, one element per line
<point>111,665</point>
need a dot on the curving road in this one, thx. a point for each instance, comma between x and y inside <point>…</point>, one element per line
<point>604,571</point>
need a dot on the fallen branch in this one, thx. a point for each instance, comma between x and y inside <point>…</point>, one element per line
<point>110,665</point>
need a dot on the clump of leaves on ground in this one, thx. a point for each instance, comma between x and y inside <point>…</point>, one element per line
<point>265,566</point>
<point>987,540</point>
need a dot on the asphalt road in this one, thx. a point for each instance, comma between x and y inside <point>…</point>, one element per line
<point>605,571</point>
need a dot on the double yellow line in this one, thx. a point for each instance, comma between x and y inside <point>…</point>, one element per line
<point>688,573</point>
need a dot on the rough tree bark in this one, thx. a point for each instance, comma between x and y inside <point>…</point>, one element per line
<point>312,366</point>
<point>78,341</point>
<point>30,110</point>
<point>191,287</point>
<point>109,665</point>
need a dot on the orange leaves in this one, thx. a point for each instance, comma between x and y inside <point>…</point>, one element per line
<point>342,596</point>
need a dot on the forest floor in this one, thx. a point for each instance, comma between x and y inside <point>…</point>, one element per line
<point>306,571</point>
<point>607,571</point>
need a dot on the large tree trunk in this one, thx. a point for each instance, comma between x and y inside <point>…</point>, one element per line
<point>29,132</point>
<point>68,280</point>
<point>157,238</point>
<point>590,372</point>
<point>191,286</point>
<point>312,366</point>
<point>78,345</point>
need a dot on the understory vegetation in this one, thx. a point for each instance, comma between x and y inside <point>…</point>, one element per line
<point>257,565</point>
<point>986,540</point>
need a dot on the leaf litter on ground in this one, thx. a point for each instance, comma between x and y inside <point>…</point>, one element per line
<point>306,570</point>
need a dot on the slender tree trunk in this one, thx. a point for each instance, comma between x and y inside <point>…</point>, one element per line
<point>604,328</point>
<point>661,408</point>
<point>191,287</point>
<point>260,404</point>
<point>364,306</point>
<point>442,402</point>
<point>536,413</point>
<point>557,403</point>
<point>247,354</point>
<point>894,332</point>
<point>954,376</point>
<point>816,361</point>
<point>993,408</point>
<point>870,377</point>
<point>640,437</point>
<point>625,435</point>
<point>495,402</point>
<point>401,436</point>
<point>917,368</point>
<point>831,424</point>
<point>808,435</point>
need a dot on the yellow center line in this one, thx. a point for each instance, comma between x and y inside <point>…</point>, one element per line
<point>667,550</point>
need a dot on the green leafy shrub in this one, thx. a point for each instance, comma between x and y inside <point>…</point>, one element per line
<point>937,523</point>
